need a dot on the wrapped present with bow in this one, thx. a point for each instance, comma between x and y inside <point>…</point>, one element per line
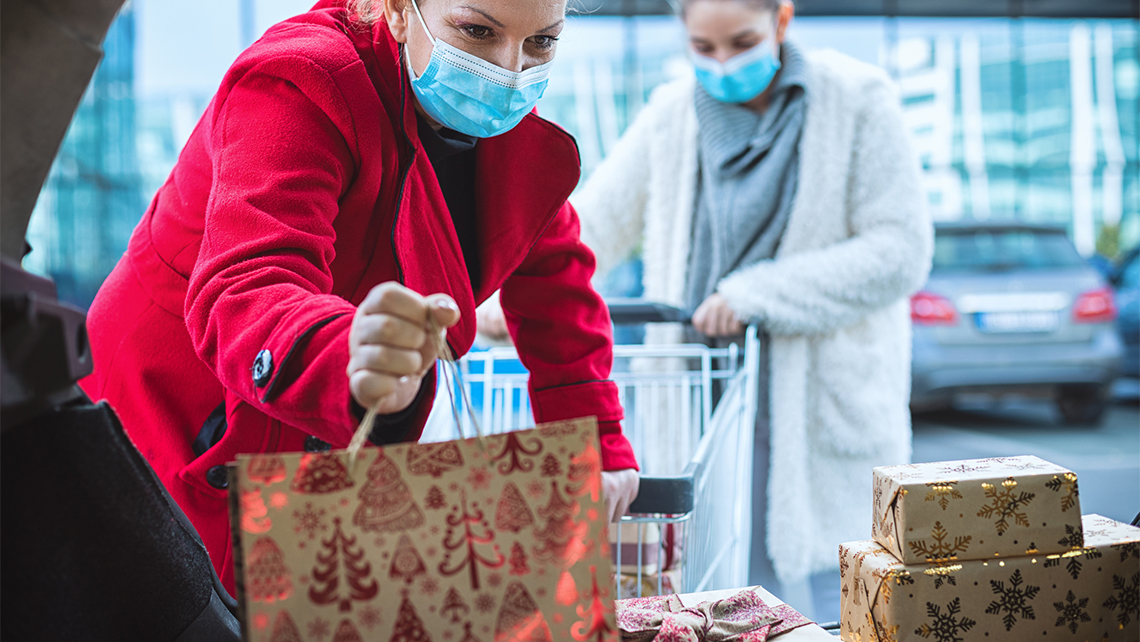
<point>744,617</point>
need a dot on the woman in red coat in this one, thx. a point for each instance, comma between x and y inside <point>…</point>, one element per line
<point>354,160</point>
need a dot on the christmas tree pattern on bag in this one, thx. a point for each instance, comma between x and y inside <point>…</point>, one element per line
<point>340,559</point>
<point>520,620</point>
<point>513,450</point>
<point>407,564</point>
<point>284,629</point>
<point>386,503</point>
<point>512,513</point>
<point>320,473</point>
<point>467,531</point>
<point>266,469</point>
<point>434,459</point>
<point>408,626</point>
<point>268,579</point>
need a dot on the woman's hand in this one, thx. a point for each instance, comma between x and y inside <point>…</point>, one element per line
<point>715,319</point>
<point>389,350</point>
<point>619,487</point>
<point>490,320</point>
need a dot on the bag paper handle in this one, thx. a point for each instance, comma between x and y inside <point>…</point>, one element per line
<point>450,374</point>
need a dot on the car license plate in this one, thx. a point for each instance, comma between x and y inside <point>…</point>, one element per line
<point>1017,321</point>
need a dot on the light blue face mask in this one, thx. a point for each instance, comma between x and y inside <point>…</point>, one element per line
<point>472,96</point>
<point>740,78</point>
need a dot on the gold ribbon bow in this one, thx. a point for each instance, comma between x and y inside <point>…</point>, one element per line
<point>743,617</point>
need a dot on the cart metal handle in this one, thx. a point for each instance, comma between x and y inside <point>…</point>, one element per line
<point>674,495</point>
<point>634,311</point>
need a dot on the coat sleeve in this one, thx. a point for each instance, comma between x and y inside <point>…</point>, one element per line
<point>564,337</point>
<point>612,201</point>
<point>259,308</point>
<point>886,257</point>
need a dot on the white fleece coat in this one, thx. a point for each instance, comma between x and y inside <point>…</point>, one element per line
<point>858,242</point>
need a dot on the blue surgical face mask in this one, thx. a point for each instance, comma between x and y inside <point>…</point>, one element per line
<point>740,78</point>
<point>472,96</point>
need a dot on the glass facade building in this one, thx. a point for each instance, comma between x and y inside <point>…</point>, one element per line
<point>94,194</point>
<point>1028,119</point>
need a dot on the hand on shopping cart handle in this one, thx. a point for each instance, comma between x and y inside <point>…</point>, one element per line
<point>715,318</point>
<point>619,487</point>
<point>490,321</point>
<point>388,345</point>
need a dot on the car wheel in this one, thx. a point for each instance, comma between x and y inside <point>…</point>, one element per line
<point>1082,405</point>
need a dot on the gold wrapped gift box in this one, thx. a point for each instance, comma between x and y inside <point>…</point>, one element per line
<point>976,509</point>
<point>1091,594</point>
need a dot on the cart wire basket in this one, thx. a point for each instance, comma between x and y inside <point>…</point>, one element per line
<point>690,412</point>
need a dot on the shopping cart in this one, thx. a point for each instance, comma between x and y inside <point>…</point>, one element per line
<point>696,480</point>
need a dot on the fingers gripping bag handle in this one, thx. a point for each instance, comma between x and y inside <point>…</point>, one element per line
<point>452,379</point>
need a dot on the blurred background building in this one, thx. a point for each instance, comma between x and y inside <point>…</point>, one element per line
<point>1028,118</point>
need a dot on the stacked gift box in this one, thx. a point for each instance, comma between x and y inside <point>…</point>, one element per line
<point>988,549</point>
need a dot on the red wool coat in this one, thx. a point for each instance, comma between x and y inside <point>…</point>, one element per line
<point>302,187</point>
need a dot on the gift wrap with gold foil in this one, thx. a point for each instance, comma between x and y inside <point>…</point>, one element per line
<point>1090,595</point>
<point>976,509</point>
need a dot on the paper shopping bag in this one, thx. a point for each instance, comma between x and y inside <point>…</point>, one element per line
<point>493,539</point>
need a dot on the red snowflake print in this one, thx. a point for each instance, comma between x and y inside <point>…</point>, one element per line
<point>431,551</point>
<point>310,520</point>
<point>429,586</point>
<point>304,579</point>
<point>479,479</point>
<point>592,514</point>
<point>260,621</point>
<point>435,529</point>
<point>300,545</point>
<point>535,489</point>
<point>541,592</point>
<point>486,628</point>
<point>447,635</point>
<point>370,618</point>
<point>344,502</point>
<point>494,580</point>
<point>558,618</point>
<point>279,500</point>
<point>381,542</point>
<point>319,629</point>
<point>562,449</point>
<point>453,486</point>
<point>484,603</point>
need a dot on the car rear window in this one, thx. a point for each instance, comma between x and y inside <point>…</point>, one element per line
<point>999,250</point>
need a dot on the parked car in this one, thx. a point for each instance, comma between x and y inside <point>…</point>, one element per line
<point>1013,308</point>
<point>1125,280</point>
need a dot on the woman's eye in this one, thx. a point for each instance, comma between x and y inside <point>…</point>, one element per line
<point>479,32</point>
<point>544,43</point>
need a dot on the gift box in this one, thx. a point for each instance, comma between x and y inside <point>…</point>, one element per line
<point>1089,594</point>
<point>976,509</point>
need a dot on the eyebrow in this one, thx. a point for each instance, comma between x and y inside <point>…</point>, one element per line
<point>501,25</point>
<point>484,14</point>
<point>553,26</point>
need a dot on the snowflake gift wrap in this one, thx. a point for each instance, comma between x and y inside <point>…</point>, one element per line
<point>976,509</point>
<point>461,541</point>
<point>1089,594</point>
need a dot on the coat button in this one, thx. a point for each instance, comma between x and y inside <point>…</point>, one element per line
<point>314,445</point>
<point>217,477</point>
<point>262,369</point>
